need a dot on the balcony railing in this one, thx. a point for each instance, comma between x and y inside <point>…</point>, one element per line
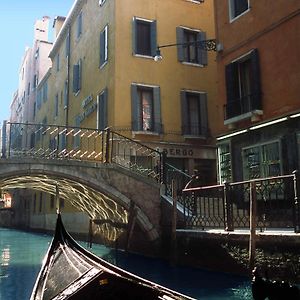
<point>227,206</point>
<point>85,144</point>
<point>241,106</point>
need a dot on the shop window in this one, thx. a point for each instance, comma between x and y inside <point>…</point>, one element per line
<point>146,115</point>
<point>189,48</point>
<point>224,159</point>
<point>194,113</point>
<point>144,37</point>
<point>262,161</point>
<point>243,86</point>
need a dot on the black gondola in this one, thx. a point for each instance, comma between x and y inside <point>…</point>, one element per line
<point>71,272</point>
<point>264,288</point>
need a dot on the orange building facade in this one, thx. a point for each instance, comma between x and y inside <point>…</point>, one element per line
<point>258,108</point>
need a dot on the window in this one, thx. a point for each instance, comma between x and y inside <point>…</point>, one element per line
<point>146,115</point>
<point>194,113</point>
<point>262,160</point>
<point>67,45</point>
<point>189,49</point>
<point>56,106</point>
<point>104,46</point>
<point>79,25</point>
<point>243,85</point>
<point>102,110</point>
<point>77,77</point>
<point>237,8</point>
<point>144,37</point>
<point>224,159</point>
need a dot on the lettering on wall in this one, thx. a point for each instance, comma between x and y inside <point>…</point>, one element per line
<point>178,152</point>
<point>88,106</point>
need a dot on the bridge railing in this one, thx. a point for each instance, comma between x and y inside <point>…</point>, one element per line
<point>227,205</point>
<point>85,144</point>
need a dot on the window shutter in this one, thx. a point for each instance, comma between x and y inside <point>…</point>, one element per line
<point>184,113</point>
<point>256,86</point>
<point>134,35</point>
<point>157,110</point>
<point>75,78</point>
<point>203,114</point>
<point>79,74</point>
<point>202,53</point>
<point>135,109</point>
<point>102,47</point>
<point>153,33</point>
<point>102,109</point>
<point>180,39</point>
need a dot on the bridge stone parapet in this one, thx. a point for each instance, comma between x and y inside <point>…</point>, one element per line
<point>122,186</point>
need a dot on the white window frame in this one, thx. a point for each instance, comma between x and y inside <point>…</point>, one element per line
<point>101,2</point>
<point>105,30</point>
<point>232,18</point>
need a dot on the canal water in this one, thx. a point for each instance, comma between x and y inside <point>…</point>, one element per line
<point>21,255</point>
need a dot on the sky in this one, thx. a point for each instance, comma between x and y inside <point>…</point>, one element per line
<point>17,18</point>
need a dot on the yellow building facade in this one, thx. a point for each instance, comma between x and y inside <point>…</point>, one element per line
<point>104,75</point>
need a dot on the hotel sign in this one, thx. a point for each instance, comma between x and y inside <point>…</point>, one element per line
<point>89,107</point>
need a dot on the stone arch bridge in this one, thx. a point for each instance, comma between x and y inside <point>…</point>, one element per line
<point>108,193</point>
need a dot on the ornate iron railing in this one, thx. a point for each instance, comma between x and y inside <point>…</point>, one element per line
<point>85,144</point>
<point>228,205</point>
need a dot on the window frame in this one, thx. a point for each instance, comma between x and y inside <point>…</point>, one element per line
<point>104,46</point>
<point>231,10</point>
<point>153,37</point>
<point>202,56</point>
<point>136,106</point>
<point>79,25</point>
<point>202,114</point>
<point>102,110</point>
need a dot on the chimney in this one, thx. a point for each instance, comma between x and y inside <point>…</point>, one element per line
<point>57,25</point>
<point>41,28</point>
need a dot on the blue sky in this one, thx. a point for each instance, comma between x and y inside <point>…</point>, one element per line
<point>17,19</point>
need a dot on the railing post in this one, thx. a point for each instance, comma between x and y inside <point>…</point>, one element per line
<point>228,208</point>
<point>107,146</point>
<point>252,240</point>
<point>296,202</point>
<point>163,168</point>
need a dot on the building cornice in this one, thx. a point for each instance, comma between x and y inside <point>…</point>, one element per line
<point>77,5</point>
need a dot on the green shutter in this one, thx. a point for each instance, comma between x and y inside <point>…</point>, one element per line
<point>255,84</point>
<point>157,110</point>
<point>134,36</point>
<point>153,33</point>
<point>184,113</point>
<point>103,110</point>
<point>135,109</point>
<point>203,114</point>
<point>179,40</point>
<point>202,53</point>
<point>102,47</point>
<point>75,78</point>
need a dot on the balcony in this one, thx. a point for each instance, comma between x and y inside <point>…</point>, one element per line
<point>243,108</point>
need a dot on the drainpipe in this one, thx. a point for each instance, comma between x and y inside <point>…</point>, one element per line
<point>68,75</point>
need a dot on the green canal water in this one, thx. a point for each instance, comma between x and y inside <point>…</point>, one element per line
<point>21,255</point>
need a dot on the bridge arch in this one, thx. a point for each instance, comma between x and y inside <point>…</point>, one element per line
<point>104,191</point>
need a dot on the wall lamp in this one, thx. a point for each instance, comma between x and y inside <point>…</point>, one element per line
<point>208,45</point>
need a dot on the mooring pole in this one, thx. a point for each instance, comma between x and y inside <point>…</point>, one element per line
<point>252,239</point>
